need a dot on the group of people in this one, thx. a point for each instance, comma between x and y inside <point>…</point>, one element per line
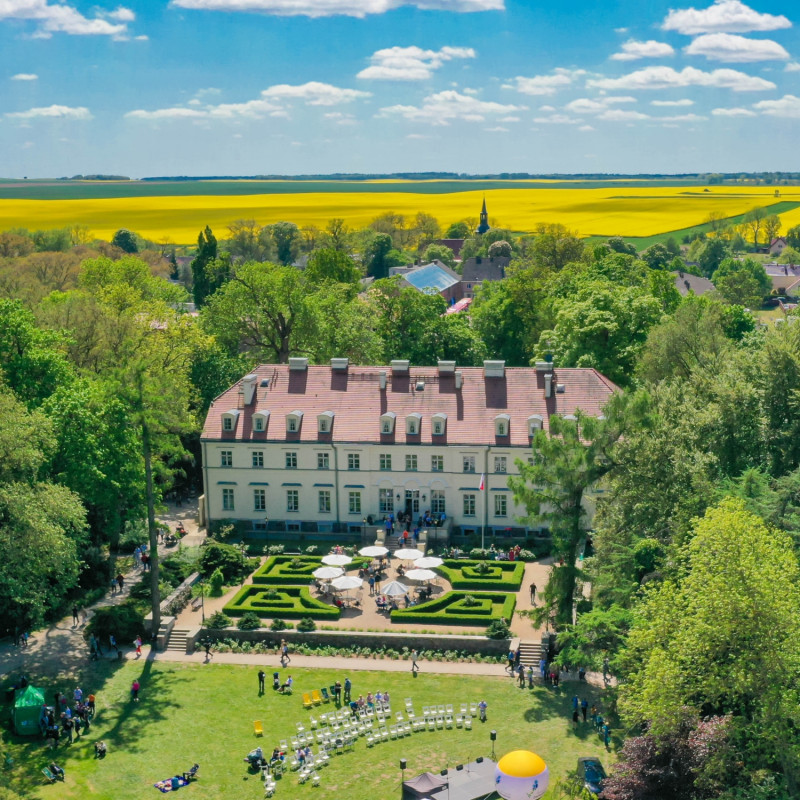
<point>377,700</point>
<point>61,719</point>
<point>580,711</point>
<point>141,558</point>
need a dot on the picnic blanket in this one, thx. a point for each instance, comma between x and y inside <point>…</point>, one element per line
<point>166,785</point>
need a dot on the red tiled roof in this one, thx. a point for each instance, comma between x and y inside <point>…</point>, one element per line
<point>357,401</point>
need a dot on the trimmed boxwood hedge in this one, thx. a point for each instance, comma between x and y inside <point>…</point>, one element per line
<point>505,576</point>
<point>278,570</point>
<point>292,602</point>
<point>449,610</point>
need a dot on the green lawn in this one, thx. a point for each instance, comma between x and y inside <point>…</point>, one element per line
<point>205,713</point>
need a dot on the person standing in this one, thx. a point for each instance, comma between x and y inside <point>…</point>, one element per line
<point>284,653</point>
<point>112,641</point>
<point>348,686</point>
<point>137,643</point>
<point>371,585</point>
<point>543,667</point>
<point>261,681</point>
<point>530,676</point>
<point>575,703</point>
<point>510,666</point>
<point>521,676</point>
<point>121,581</point>
<point>75,618</point>
<point>584,708</point>
<point>575,718</point>
<point>533,594</point>
<point>414,657</point>
<point>135,686</point>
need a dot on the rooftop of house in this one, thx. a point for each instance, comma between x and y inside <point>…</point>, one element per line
<point>354,400</point>
<point>483,268</point>
<point>454,244</point>
<point>782,269</point>
<point>435,277</point>
<point>686,283</point>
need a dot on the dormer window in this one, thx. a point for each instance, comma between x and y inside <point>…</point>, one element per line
<point>325,422</point>
<point>439,424</point>
<point>260,419</point>
<point>413,424</point>
<point>502,424</point>
<point>535,423</point>
<point>293,421</point>
<point>387,422</point>
<point>229,419</point>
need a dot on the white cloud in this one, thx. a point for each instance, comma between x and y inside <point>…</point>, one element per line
<point>684,118</point>
<point>410,63</point>
<point>620,30</point>
<point>60,18</point>
<point>585,105</point>
<point>543,85</point>
<point>25,76</point>
<point>141,38</point>
<point>669,78</point>
<point>792,66</point>
<point>330,8</point>
<point>339,118</point>
<point>672,103</point>
<point>586,128</point>
<point>633,50</point>
<point>735,49</point>
<point>443,107</point>
<point>120,14</point>
<point>724,16</point>
<point>168,113</point>
<point>509,119</point>
<point>496,129</point>
<point>417,136</point>
<point>547,108</point>
<point>733,112</point>
<point>314,93</point>
<point>52,112</point>
<point>557,119</point>
<point>619,115</point>
<point>788,106</point>
<point>211,91</point>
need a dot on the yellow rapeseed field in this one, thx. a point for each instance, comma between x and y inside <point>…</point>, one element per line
<point>629,211</point>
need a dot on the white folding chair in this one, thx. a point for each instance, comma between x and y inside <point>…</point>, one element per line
<point>439,722</point>
<point>448,720</point>
<point>473,709</point>
<point>464,710</point>
<point>468,723</point>
<point>459,720</point>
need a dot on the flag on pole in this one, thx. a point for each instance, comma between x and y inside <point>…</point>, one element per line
<point>483,482</point>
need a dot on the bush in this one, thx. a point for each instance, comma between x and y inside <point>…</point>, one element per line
<point>292,602</point>
<point>218,620</point>
<point>124,621</point>
<point>217,581</point>
<point>224,557</point>
<point>526,555</point>
<point>451,609</point>
<point>470,601</point>
<point>249,622</point>
<point>490,576</point>
<point>278,625</point>
<point>274,550</point>
<point>306,625</point>
<point>312,550</point>
<point>498,630</point>
<point>283,570</point>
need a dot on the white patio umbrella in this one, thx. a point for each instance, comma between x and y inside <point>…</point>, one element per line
<point>336,560</point>
<point>345,582</point>
<point>429,562</point>
<point>326,573</point>
<point>407,554</point>
<point>420,575</point>
<point>395,589</point>
<point>373,551</point>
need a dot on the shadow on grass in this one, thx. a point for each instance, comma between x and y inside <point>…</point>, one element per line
<point>550,703</point>
<point>121,723</point>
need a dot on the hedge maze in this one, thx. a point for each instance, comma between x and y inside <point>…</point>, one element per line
<point>285,602</point>
<point>453,608</point>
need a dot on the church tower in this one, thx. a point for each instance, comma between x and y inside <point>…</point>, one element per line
<point>484,223</point>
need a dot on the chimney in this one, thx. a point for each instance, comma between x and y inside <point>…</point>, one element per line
<point>548,384</point>
<point>382,379</point>
<point>459,379</point>
<point>249,387</point>
<point>400,367</point>
<point>494,369</point>
<point>544,366</point>
<point>340,364</point>
<point>298,364</point>
<point>447,367</point>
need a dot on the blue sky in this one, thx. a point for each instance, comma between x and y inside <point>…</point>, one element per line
<point>199,87</point>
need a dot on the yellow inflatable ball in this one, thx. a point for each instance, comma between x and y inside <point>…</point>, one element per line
<point>521,775</point>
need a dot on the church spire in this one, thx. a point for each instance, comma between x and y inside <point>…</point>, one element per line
<point>484,223</point>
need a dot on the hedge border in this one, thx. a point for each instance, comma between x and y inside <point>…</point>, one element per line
<point>261,578</point>
<point>427,613</point>
<point>238,606</point>
<point>452,570</point>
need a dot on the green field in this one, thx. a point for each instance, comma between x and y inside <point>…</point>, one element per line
<point>205,714</point>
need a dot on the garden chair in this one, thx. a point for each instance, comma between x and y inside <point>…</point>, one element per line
<point>307,700</point>
<point>459,720</point>
<point>409,703</point>
<point>304,775</point>
<point>448,708</point>
<point>300,727</point>
<point>439,722</point>
<point>49,775</point>
<point>370,739</point>
<point>316,697</point>
<point>269,788</point>
<point>431,724</point>
<point>448,721</point>
<point>464,710</point>
<point>440,710</point>
<point>326,698</point>
<point>284,745</point>
<point>468,723</point>
<point>332,690</point>
<point>473,709</point>
<point>258,728</point>
<point>393,731</point>
<point>315,779</point>
<point>312,721</point>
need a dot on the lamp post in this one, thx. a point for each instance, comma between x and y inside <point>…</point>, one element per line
<point>243,548</point>
<point>493,737</point>
<point>402,771</point>
<point>202,601</point>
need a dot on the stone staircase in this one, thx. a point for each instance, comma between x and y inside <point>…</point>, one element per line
<point>177,640</point>
<point>530,653</point>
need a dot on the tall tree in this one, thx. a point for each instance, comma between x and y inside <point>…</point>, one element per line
<point>286,236</point>
<point>753,223</point>
<point>569,459</point>
<point>125,240</point>
<point>206,254</point>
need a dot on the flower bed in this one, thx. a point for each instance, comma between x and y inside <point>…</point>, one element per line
<point>293,570</point>
<point>289,602</point>
<point>451,609</point>
<point>502,576</point>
